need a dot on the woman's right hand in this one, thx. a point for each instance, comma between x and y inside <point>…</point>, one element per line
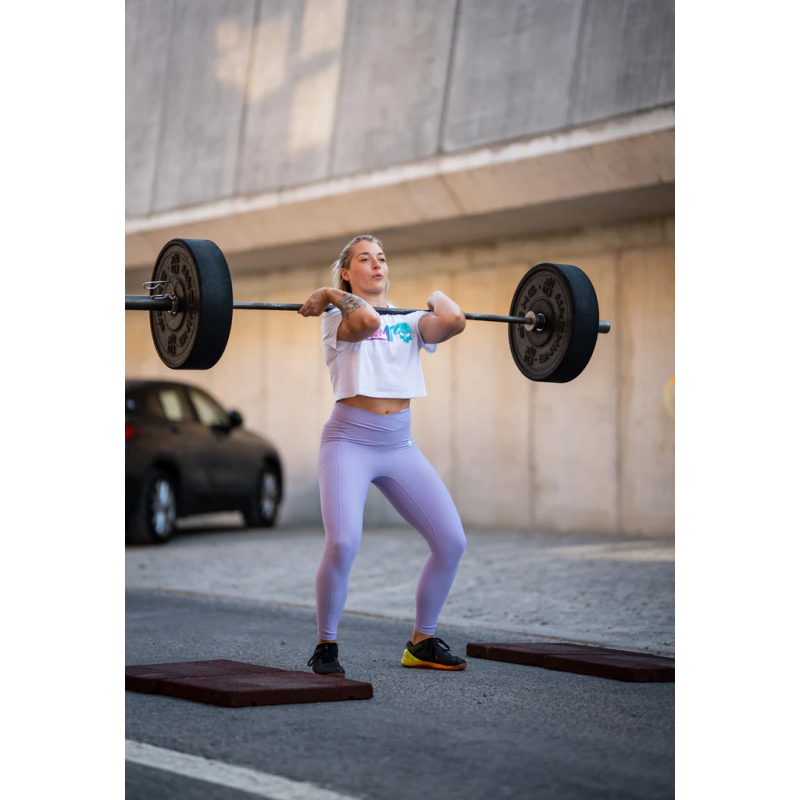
<point>316,304</point>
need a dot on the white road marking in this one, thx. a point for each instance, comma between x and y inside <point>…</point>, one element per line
<point>241,778</point>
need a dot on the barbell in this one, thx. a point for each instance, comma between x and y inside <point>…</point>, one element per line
<point>553,323</point>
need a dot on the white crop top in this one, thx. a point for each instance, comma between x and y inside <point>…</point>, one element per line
<point>385,365</point>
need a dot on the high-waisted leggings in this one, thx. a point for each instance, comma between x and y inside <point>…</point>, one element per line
<point>358,448</point>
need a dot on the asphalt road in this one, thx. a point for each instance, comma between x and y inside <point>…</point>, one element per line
<point>611,590</point>
<point>494,730</point>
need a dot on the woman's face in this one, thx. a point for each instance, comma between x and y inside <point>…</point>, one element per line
<point>368,272</point>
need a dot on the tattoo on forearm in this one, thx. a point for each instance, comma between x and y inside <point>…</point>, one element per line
<point>349,304</point>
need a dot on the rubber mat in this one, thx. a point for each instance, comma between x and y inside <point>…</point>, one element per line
<point>601,662</point>
<point>234,684</point>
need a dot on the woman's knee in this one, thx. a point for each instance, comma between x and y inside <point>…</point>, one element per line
<point>452,544</point>
<point>343,551</point>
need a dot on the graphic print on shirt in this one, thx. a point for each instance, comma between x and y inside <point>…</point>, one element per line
<point>402,330</point>
<point>379,334</point>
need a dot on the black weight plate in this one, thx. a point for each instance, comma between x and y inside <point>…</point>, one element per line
<point>195,337</point>
<point>566,298</point>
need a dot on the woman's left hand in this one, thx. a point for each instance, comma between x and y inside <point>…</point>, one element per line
<point>430,303</point>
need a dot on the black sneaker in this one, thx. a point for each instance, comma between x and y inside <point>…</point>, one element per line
<point>325,660</point>
<point>431,653</point>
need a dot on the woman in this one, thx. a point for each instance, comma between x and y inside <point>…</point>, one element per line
<point>373,360</point>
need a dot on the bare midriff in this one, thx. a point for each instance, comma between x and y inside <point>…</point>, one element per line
<point>377,405</point>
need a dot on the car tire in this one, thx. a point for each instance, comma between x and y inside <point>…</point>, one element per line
<point>262,510</point>
<point>154,521</point>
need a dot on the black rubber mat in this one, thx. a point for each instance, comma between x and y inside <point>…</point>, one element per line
<point>234,684</point>
<point>601,662</point>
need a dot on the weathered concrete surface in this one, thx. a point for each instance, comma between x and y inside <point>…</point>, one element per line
<point>596,454</point>
<point>290,95</point>
<point>626,58</point>
<point>270,124</point>
<point>512,70</point>
<point>574,456</point>
<point>199,138</point>
<point>613,591</point>
<point>148,30</point>
<point>394,76</point>
<point>242,96</point>
<point>526,221</point>
<point>630,153</point>
<point>646,346</point>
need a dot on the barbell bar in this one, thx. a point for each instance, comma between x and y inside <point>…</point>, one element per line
<point>144,302</point>
<point>191,311</point>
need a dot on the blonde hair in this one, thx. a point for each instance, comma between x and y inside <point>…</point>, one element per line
<point>343,262</point>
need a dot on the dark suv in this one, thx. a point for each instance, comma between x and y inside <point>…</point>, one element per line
<point>184,454</point>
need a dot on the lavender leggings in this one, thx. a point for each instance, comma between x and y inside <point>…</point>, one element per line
<point>359,447</point>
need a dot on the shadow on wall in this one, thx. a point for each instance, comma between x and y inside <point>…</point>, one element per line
<point>289,90</point>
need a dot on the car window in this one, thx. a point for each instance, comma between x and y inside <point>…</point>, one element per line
<point>169,403</point>
<point>210,413</point>
<point>152,405</point>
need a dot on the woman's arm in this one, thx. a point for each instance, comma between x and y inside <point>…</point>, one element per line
<point>359,318</point>
<point>446,321</point>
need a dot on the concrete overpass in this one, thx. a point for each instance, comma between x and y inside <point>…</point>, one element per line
<point>475,139</point>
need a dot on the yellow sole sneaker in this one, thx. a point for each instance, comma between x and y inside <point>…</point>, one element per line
<point>410,660</point>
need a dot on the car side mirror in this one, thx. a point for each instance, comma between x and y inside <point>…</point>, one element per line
<point>236,418</point>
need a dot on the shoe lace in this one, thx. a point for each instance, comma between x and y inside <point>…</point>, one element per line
<point>324,653</point>
<point>438,645</point>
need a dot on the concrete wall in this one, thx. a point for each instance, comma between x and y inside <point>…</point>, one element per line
<point>226,98</point>
<point>523,67</point>
<point>596,454</point>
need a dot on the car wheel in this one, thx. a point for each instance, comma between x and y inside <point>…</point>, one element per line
<point>158,505</point>
<point>263,508</point>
